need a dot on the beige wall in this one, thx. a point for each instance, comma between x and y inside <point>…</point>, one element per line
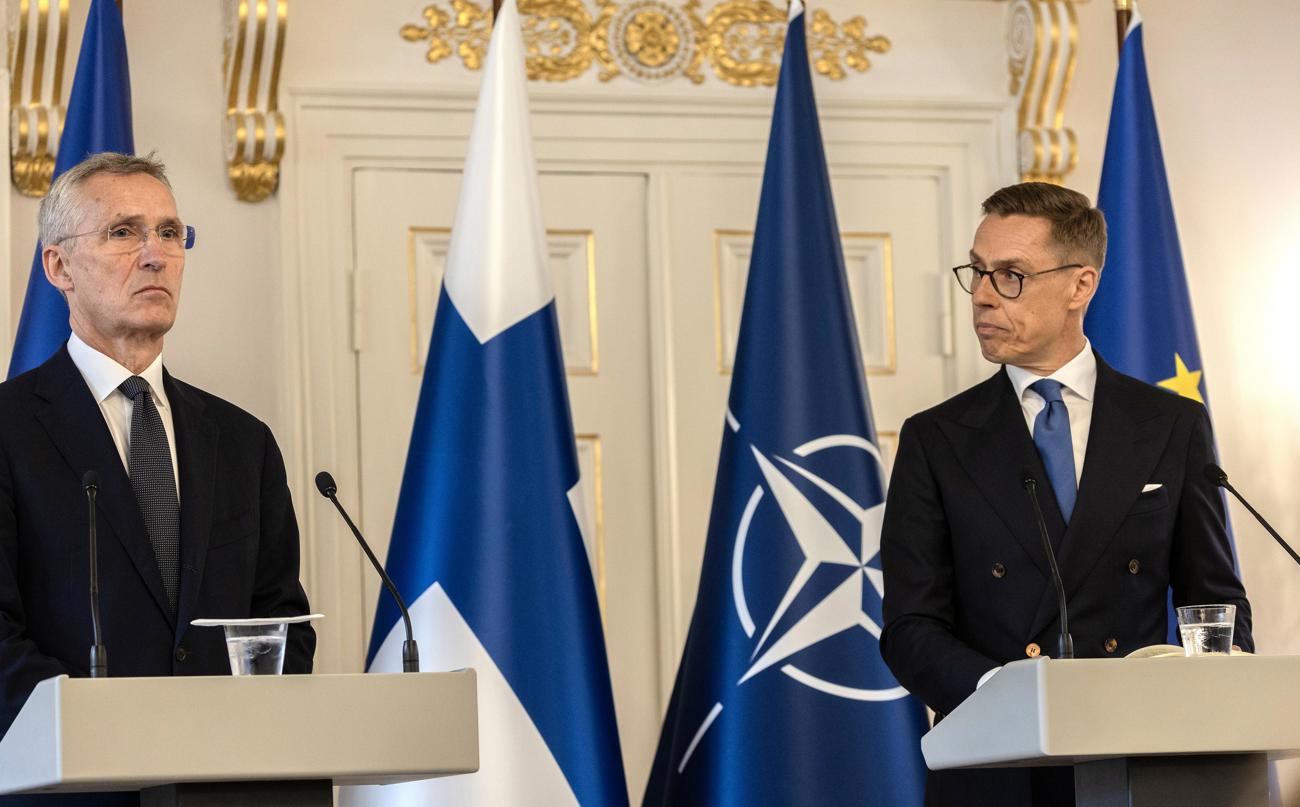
<point>1223,84</point>
<point>1225,80</point>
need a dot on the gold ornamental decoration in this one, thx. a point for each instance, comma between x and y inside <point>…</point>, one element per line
<point>557,38</point>
<point>743,41</point>
<point>464,31</point>
<point>1042,53</point>
<point>648,40</point>
<point>829,44</point>
<point>254,126</point>
<point>38,47</point>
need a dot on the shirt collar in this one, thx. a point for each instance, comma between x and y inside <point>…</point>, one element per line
<point>1079,375</point>
<point>104,375</point>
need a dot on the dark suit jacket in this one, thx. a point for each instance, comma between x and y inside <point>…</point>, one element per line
<point>239,539</point>
<point>967,585</point>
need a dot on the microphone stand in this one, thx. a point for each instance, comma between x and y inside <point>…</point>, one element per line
<point>1067,641</point>
<point>410,651</point>
<point>98,653</point>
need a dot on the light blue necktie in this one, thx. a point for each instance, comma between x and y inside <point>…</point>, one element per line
<point>1052,438</point>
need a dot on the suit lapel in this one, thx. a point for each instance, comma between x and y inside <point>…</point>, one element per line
<point>1124,443</point>
<point>993,445</point>
<point>196,453</point>
<point>71,418</point>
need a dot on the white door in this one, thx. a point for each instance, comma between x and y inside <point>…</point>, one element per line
<point>596,233</point>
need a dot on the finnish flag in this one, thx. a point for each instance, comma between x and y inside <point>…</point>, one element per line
<point>487,542</point>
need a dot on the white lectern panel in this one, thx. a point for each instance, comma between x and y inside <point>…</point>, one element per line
<point>131,733</point>
<point>1061,712</point>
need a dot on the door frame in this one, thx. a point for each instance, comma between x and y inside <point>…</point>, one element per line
<point>967,147</point>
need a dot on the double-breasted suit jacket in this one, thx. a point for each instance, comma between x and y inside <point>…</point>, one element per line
<point>967,585</point>
<point>239,539</point>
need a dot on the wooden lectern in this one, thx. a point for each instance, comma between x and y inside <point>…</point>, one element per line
<point>1151,732</point>
<point>224,740</point>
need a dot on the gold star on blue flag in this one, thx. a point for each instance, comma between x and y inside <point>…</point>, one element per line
<point>1185,382</point>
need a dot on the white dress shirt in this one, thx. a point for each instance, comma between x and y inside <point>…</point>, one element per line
<point>1078,384</point>
<point>103,375</point>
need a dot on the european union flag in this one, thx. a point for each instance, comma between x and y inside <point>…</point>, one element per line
<point>1141,318</point>
<point>98,119</point>
<point>487,543</point>
<point>782,697</point>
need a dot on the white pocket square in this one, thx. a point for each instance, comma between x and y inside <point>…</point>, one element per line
<point>1152,486</point>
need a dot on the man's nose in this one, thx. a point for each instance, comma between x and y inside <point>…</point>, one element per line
<point>152,253</point>
<point>983,293</point>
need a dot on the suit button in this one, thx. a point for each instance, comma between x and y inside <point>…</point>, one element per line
<point>1134,566</point>
<point>999,571</point>
<point>1033,650</point>
<point>1111,644</point>
<point>181,655</point>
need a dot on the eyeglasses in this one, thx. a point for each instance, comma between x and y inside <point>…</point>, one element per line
<point>1006,282</point>
<point>123,239</point>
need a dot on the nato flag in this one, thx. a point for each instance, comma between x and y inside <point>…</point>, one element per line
<point>98,119</point>
<point>781,697</point>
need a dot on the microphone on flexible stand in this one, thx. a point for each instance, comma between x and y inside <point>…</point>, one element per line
<point>1067,641</point>
<point>410,652</point>
<point>1219,479</point>
<point>98,653</point>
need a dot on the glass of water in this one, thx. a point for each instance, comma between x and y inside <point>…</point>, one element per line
<point>256,649</point>
<point>1206,629</point>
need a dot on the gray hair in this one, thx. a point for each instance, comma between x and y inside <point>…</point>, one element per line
<point>59,208</point>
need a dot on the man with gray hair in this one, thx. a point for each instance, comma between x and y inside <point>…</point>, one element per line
<point>1119,465</point>
<point>195,518</point>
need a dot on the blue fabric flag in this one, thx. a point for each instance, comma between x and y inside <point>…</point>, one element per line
<point>1141,318</point>
<point>782,697</point>
<point>487,542</point>
<point>98,119</point>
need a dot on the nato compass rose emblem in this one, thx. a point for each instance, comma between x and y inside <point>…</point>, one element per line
<point>838,571</point>
<point>851,564</point>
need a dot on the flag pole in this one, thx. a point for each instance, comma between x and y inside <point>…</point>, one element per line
<point>1123,13</point>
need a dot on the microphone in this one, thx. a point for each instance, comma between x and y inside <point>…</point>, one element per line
<point>98,653</point>
<point>1067,641</point>
<point>410,652</point>
<point>1219,479</point>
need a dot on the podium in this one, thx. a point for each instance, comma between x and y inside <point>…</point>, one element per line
<point>1139,732</point>
<point>224,740</point>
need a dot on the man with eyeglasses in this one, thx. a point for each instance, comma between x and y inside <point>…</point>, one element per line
<point>1119,468</point>
<point>194,513</point>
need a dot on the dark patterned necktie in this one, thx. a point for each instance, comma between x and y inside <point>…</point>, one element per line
<point>1052,438</point>
<point>149,462</point>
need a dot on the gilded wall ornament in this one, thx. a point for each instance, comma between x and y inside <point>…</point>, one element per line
<point>557,38</point>
<point>829,44</point>
<point>649,40</point>
<point>464,31</point>
<point>1042,53</point>
<point>38,45</point>
<point>254,133</point>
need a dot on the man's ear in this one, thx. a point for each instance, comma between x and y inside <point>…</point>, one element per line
<point>1085,286</point>
<point>54,259</point>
